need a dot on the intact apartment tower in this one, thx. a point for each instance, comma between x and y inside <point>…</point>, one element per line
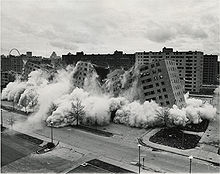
<point>210,70</point>
<point>189,65</point>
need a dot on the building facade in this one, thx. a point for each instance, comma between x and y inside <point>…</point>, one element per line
<point>83,71</point>
<point>189,65</point>
<point>114,61</point>
<point>159,81</point>
<point>210,70</point>
<point>11,63</point>
<point>6,77</point>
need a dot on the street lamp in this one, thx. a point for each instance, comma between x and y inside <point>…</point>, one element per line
<point>51,132</point>
<point>1,119</point>
<point>190,163</point>
<point>139,156</point>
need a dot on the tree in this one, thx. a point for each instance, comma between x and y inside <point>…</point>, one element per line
<point>11,121</point>
<point>77,110</point>
<point>53,108</point>
<point>164,115</point>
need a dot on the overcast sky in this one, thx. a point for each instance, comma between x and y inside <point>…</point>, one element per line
<point>102,26</point>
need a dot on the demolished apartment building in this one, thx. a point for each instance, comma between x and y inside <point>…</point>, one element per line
<point>158,81</point>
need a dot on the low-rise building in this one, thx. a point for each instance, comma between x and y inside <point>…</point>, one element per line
<point>117,60</point>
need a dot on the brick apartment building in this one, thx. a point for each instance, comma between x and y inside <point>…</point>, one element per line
<point>159,81</point>
<point>116,60</point>
<point>210,70</point>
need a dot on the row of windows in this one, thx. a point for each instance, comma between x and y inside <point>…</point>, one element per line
<point>171,68</point>
<point>149,93</point>
<point>167,102</point>
<point>153,92</point>
<point>178,93</point>
<point>162,83</point>
<point>148,86</point>
<point>147,80</point>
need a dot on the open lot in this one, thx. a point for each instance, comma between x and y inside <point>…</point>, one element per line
<point>15,146</point>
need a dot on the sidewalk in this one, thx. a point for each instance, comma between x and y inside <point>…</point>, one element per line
<point>199,152</point>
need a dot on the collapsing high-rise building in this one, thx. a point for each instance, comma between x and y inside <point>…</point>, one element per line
<point>189,65</point>
<point>158,81</point>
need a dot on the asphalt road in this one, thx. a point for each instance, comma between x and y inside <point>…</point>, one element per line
<point>122,151</point>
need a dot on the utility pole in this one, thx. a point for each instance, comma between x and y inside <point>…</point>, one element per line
<point>1,119</point>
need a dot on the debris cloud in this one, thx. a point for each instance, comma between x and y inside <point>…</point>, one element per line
<point>60,102</point>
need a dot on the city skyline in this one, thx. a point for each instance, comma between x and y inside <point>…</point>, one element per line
<point>104,26</point>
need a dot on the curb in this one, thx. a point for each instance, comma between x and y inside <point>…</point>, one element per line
<point>11,109</point>
<point>140,141</point>
<point>94,131</point>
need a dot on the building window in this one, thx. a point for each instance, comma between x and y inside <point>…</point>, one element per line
<point>160,97</point>
<point>161,76</point>
<point>159,91</point>
<point>162,83</point>
<point>167,102</point>
<point>166,96</point>
<point>157,84</point>
<point>164,89</point>
<point>154,71</point>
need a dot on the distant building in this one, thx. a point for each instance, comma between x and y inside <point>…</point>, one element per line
<point>116,60</point>
<point>11,62</point>
<point>6,77</point>
<point>5,63</point>
<point>189,65</point>
<point>210,70</point>
<point>29,54</point>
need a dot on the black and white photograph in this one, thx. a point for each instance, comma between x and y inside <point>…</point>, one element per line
<point>110,86</point>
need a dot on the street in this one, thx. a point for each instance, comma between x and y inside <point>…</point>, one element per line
<point>120,150</point>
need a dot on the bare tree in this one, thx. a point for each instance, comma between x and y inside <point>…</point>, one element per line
<point>53,107</point>
<point>77,110</point>
<point>163,115</point>
<point>11,121</point>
